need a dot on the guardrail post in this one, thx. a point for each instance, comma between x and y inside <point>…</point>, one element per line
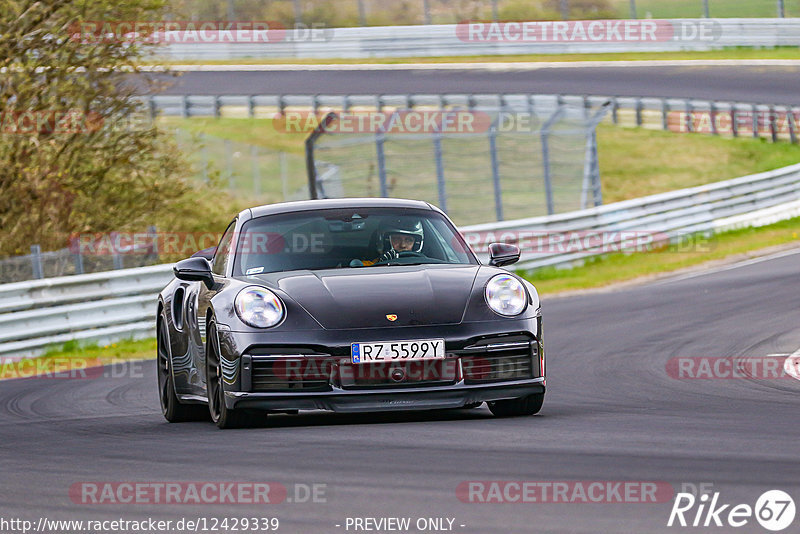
<point>379,139</point>
<point>78,258</point>
<point>705,9</point>
<point>792,125</point>
<point>217,107</point>
<point>755,121</point>
<point>638,112</point>
<point>689,122</point>
<point>664,116</point>
<point>117,259</point>
<point>314,104</point>
<point>426,11</point>
<point>36,262</point>
<point>251,106</point>
<point>615,107</point>
<point>281,105</point>
<point>153,231</point>
<point>498,192</point>
<point>564,10</point>
<point>773,129</point>
<point>712,110</point>
<point>362,14</point>
<point>734,120</point>
<point>311,169</point>
<point>184,106</point>
<point>781,11</point>
<point>298,11</point>
<point>591,163</point>
<point>544,133</point>
<point>151,104</point>
<point>440,183</point>
<point>633,9</point>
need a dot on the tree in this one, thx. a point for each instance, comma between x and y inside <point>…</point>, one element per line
<point>75,155</point>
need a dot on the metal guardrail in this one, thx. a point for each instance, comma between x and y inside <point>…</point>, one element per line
<point>100,307</point>
<point>754,200</point>
<point>735,119</point>
<point>119,304</point>
<point>454,40</point>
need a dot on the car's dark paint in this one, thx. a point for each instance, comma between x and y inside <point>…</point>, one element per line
<point>501,254</point>
<point>327,310</point>
<point>194,269</point>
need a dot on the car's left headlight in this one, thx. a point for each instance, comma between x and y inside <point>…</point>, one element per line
<point>259,307</point>
<point>506,295</point>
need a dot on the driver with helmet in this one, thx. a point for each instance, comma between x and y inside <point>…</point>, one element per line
<point>396,237</point>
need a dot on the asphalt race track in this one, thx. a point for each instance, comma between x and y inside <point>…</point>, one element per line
<point>612,413</point>
<point>764,85</point>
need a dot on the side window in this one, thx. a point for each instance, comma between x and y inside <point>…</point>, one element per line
<point>223,251</point>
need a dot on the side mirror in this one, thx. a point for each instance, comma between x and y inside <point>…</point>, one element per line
<point>503,254</point>
<point>193,269</point>
<point>207,253</point>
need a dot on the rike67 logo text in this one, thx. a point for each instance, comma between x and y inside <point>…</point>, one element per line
<point>774,510</point>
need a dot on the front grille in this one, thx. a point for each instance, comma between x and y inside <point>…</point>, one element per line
<point>500,360</point>
<point>273,374</point>
<point>399,374</point>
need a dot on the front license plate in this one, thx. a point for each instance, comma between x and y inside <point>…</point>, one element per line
<point>393,351</point>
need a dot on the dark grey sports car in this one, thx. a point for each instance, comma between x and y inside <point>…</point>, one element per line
<point>346,305</point>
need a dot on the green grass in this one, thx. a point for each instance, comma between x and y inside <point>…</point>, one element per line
<point>672,9</point>
<point>74,355</point>
<point>613,268</point>
<point>725,53</point>
<point>636,162</point>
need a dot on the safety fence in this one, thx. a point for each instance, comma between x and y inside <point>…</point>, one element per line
<point>121,304</point>
<point>681,115</point>
<point>385,12</point>
<point>487,163</point>
<point>485,38</point>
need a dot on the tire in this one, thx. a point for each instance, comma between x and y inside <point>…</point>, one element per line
<point>529,405</point>
<point>171,407</point>
<point>221,415</point>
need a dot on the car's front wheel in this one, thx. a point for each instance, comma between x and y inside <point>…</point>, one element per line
<point>222,416</point>
<point>529,405</point>
<point>171,407</point>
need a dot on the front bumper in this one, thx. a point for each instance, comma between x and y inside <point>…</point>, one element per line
<point>423,398</point>
<point>483,363</point>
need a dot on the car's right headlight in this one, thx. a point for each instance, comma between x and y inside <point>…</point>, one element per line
<point>506,295</point>
<point>259,307</point>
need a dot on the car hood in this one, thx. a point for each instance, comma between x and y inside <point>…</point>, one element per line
<point>365,298</point>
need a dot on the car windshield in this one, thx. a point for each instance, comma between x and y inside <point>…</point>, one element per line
<point>348,238</point>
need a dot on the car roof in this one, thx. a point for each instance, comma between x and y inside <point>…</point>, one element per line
<point>333,203</point>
